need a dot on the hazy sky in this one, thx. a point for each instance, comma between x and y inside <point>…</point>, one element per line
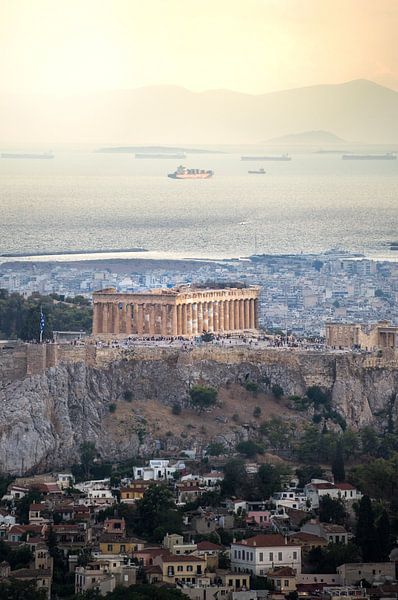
<point>253,46</point>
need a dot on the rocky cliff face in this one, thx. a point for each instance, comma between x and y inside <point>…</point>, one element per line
<point>45,417</point>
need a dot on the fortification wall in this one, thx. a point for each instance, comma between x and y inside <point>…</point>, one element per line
<point>318,368</point>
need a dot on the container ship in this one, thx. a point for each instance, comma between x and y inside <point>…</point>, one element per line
<point>43,155</point>
<point>184,173</point>
<point>386,156</point>
<point>272,157</point>
<point>178,156</point>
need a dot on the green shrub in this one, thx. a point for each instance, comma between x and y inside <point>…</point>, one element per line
<point>257,412</point>
<point>128,395</point>
<point>112,407</point>
<point>251,386</point>
<point>277,390</point>
<point>176,409</point>
<point>235,417</point>
<point>249,448</point>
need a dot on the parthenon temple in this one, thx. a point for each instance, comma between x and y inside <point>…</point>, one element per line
<point>185,311</point>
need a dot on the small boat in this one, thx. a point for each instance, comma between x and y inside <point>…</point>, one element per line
<point>260,171</point>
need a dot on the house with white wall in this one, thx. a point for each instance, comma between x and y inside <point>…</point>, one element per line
<point>262,553</point>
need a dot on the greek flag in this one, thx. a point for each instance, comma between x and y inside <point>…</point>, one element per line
<point>42,321</point>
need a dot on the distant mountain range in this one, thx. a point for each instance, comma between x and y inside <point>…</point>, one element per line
<point>358,111</point>
<point>308,137</point>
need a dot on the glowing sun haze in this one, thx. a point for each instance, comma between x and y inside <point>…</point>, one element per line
<point>252,46</point>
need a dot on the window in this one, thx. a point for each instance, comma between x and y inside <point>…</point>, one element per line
<point>261,557</point>
<point>294,555</point>
<point>279,555</point>
<point>180,568</point>
<point>271,556</point>
<point>110,547</point>
<point>189,568</point>
<point>122,548</point>
<point>286,583</point>
<point>278,583</point>
<point>235,554</point>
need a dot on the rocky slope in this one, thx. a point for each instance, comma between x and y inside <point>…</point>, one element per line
<point>44,418</point>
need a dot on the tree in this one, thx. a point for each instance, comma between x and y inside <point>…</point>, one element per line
<point>326,560</point>
<point>338,469</point>
<point>257,412</point>
<point>215,449</point>
<point>235,477</point>
<point>202,397</point>
<point>87,455</point>
<point>12,589</point>
<point>365,535</point>
<point>383,534</point>
<point>318,396</point>
<point>268,481</point>
<point>306,473</point>
<point>277,390</point>
<point>331,510</point>
<point>207,337</point>
<point>157,514</point>
<point>249,448</point>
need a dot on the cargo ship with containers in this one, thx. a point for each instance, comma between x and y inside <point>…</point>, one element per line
<point>386,156</point>
<point>184,173</point>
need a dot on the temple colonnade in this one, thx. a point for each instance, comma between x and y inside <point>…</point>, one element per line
<point>189,312</point>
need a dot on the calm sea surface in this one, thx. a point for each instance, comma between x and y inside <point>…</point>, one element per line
<point>84,201</point>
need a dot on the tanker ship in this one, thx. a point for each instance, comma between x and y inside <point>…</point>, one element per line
<point>386,156</point>
<point>43,155</point>
<point>184,173</point>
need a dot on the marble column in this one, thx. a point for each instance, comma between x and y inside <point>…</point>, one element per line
<point>116,318</point>
<point>200,318</point>
<point>231,315</point>
<point>184,320</point>
<point>205,316</point>
<point>194,318</point>
<point>189,319</point>
<point>210,309</point>
<point>140,319</point>
<point>174,326</point>
<point>242,314</point>
<point>256,313</point>
<point>216,317</point>
<point>151,309</point>
<point>179,319</point>
<point>226,316</point>
<point>252,318</point>
<point>237,320</point>
<point>129,318</point>
<point>247,314</point>
<point>105,318</point>
<point>164,320</point>
<point>221,306</point>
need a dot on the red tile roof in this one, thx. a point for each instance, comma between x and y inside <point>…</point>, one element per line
<point>265,541</point>
<point>208,546</point>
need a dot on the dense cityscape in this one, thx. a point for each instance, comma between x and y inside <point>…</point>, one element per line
<point>298,293</point>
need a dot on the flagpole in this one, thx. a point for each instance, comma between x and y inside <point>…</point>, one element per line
<point>41,324</point>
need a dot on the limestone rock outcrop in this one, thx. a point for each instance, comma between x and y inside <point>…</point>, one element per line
<point>45,417</point>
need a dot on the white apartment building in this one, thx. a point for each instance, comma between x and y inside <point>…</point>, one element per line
<point>158,470</point>
<point>261,553</point>
<point>320,487</point>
